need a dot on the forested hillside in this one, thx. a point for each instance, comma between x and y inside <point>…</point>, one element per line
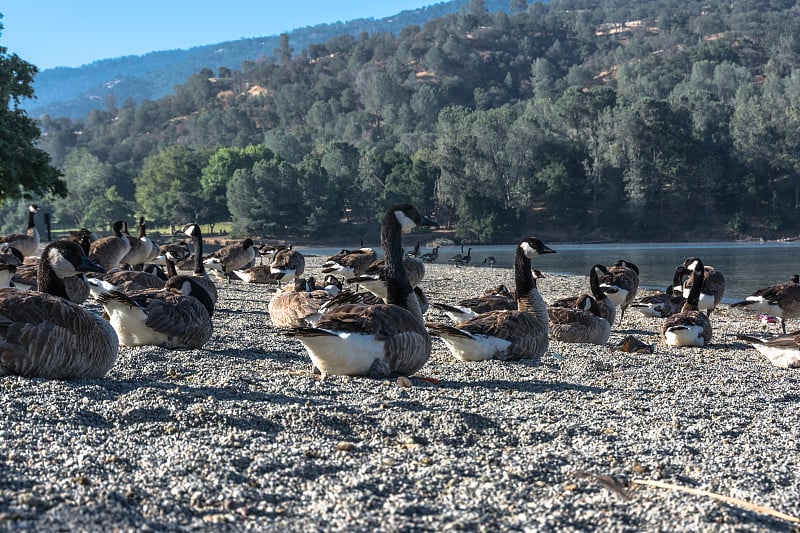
<point>73,92</point>
<point>614,119</point>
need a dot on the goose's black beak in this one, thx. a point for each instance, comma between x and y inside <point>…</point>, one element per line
<point>89,265</point>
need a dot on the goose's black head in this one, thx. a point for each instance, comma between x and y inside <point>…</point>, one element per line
<point>67,258</point>
<point>33,208</point>
<point>119,227</point>
<point>626,264</point>
<point>191,229</point>
<point>534,247</point>
<point>408,217</point>
<point>247,243</point>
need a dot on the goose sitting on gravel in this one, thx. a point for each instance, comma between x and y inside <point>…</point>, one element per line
<point>664,304</point>
<point>608,309</point>
<point>27,243</point>
<point>376,340</point>
<point>300,305</point>
<point>505,335</point>
<point>350,263</point>
<point>497,299</point>
<point>782,351</point>
<point>42,334</point>
<point>690,327</point>
<point>177,317</point>
<point>143,249</point>
<point>582,323</point>
<point>287,264</point>
<point>231,257</point>
<point>109,251</point>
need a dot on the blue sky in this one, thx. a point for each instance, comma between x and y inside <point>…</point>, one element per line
<point>70,33</point>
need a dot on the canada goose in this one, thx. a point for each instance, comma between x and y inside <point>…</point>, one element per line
<point>301,305</point>
<point>231,257</point>
<point>375,281</point>
<point>257,274</point>
<point>497,299</point>
<point>288,264</point>
<point>781,300</point>
<point>458,256</point>
<point>581,323</point>
<point>350,263</point>
<point>26,279</point>
<point>377,340</point>
<point>199,274</point>
<point>42,334</point>
<point>365,298</point>
<point>608,309</point>
<point>10,259</point>
<point>415,252</point>
<point>84,238</point>
<point>143,249</point>
<point>460,260</point>
<point>621,284</point>
<point>177,317</point>
<point>124,281</point>
<point>27,243</point>
<point>660,305</point>
<point>506,335</point>
<point>782,351</point>
<point>491,261</point>
<point>713,289</point>
<point>109,251</point>
<point>690,327</point>
<point>432,256</point>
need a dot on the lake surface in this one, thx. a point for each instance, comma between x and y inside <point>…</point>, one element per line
<point>746,266</point>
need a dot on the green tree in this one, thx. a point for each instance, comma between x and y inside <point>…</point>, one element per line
<point>168,189</point>
<point>25,169</point>
<point>219,172</point>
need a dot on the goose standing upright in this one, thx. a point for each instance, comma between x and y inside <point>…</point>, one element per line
<point>377,340</point>
<point>506,335</point>
<point>713,289</point>
<point>690,327</point>
<point>109,251</point>
<point>42,334</point>
<point>432,256</point>
<point>781,300</point>
<point>27,243</point>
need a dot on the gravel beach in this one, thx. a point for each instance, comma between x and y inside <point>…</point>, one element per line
<point>238,436</point>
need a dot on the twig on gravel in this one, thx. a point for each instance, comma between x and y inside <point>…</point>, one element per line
<point>727,499</point>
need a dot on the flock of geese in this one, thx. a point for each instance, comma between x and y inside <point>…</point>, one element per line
<point>380,331</point>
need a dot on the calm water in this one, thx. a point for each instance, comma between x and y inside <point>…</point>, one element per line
<point>746,266</point>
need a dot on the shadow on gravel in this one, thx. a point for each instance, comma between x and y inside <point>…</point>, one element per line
<point>523,386</point>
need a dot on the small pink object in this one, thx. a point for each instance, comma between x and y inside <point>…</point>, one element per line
<point>768,319</point>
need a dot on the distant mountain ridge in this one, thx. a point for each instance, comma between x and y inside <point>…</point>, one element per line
<point>74,92</point>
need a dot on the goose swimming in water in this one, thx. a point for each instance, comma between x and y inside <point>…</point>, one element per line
<point>376,340</point>
<point>42,334</point>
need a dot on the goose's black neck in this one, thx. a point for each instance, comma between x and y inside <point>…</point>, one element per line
<point>523,278</point>
<point>197,241</point>
<point>397,284</point>
<point>594,285</point>
<point>693,300</point>
<point>48,281</point>
<point>31,223</point>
